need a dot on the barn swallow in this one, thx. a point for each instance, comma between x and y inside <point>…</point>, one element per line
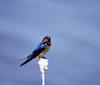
<point>40,51</point>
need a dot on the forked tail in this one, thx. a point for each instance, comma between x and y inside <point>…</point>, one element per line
<point>29,58</point>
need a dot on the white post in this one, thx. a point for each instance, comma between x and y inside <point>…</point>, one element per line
<point>43,78</point>
<point>43,64</point>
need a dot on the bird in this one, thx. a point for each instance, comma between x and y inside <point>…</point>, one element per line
<point>40,51</point>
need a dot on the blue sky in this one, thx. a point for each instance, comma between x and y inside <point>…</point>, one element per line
<point>74,26</point>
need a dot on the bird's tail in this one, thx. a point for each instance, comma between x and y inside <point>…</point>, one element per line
<point>29,58</point>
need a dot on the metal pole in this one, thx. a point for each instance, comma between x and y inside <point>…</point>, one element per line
<point>43,64</point>
<point>43,78</point>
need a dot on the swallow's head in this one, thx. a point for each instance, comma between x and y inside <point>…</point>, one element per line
<point>47,39</point>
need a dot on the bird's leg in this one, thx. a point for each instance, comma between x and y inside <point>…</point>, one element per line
<point>43,57</point>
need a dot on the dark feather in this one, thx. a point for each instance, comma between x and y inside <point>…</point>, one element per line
<point>35,53</point>
<point>29,58</point>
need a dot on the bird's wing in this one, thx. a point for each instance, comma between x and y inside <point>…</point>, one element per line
<point>35,53</point>
<point>39,49</point>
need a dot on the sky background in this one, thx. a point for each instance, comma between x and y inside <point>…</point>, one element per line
<point>74,26</point>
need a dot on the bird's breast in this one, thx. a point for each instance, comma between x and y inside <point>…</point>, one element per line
<point>44,51</point>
